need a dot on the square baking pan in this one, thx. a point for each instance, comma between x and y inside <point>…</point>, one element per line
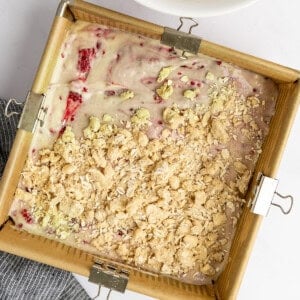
<point>114,274</point>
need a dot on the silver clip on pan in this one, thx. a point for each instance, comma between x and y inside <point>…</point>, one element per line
<point>181,19</point>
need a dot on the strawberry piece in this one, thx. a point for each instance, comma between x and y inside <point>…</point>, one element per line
<point>120,233</point>
<point>109,93</point>
<point>27,216</point>
<point>74,100</point>
<point>85,57</point>
<point>103,32</point>
<point>157,99</point>
<point>148,80</point>
<point>62,130</point>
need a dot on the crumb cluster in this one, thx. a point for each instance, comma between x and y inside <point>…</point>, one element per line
<point>168,204</point>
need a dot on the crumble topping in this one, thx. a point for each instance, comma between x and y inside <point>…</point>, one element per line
<point>210,76</point>
<point>127,95</point>
<point>164,73</point>
<point>165,90</point>
<point>190,94</point>
<point>141,117</point>
<point>184,78</point>
<point>164,204</point>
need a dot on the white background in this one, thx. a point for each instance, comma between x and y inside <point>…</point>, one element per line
<point>268,29</point>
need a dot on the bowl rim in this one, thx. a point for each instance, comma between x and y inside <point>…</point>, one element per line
<point>162,7</point>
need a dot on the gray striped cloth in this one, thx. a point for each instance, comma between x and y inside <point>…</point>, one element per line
<point>22,279</point>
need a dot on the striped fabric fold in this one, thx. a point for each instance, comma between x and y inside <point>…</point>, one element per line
<point>20,278</point>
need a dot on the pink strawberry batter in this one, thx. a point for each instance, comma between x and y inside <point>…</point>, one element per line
<point>98,63</point>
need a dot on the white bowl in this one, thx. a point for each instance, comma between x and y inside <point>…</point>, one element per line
<point>195,8</point>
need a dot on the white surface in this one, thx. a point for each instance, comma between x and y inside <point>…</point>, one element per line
<point>196,8</point>
<point>267,29</point>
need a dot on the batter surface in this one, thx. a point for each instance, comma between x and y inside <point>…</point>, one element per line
<point>144,157</point>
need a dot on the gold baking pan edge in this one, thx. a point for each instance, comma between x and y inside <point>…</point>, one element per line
<point>56,254</point>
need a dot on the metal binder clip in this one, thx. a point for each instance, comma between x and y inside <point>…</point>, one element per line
<point>286,212</point>
<point>190,29</point>
<point>264,195</point>
<point>187,18</point>
<point>108,295</point>
<point>184,41</point>
<point>106,275</point>
<point>98,293</point>
<point>10,114</point>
